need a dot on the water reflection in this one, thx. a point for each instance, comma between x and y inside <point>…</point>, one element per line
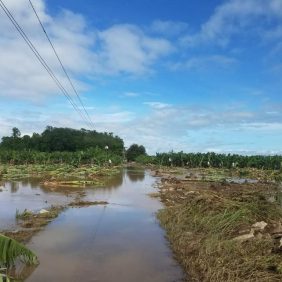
<point>135,174</point>
<point>116,243</point>
<point>129,245</point>
<point>14,187</point>
<point>114,182</point>
<point>21,271</point>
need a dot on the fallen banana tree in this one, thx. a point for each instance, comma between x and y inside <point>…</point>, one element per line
<point>10,252</point>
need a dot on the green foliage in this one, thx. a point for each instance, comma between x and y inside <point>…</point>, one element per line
<point>54,139</point>
<point>205,160</point>
<point>95,156</point>
<point>145,159</point>
<point>61,145</point>
<point>11,250</point>
<point>23,215</point>
<point>16,132</point>
<point>134,151</point>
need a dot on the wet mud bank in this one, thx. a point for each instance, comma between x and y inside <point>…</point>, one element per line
<point>222,230</point>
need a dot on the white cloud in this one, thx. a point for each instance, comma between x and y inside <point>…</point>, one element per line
<point>237,17</point>
<point>116,117</point>
<point>84,50</point>
<point>131,94</point>
<point>263,126</point>
<point>157,105</point>
<point>166,126</point>
<point>125,48</point>
<point>205,62</point>
<point>21,75</point>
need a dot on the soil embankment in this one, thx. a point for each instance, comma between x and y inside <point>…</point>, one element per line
<point>222,230</point>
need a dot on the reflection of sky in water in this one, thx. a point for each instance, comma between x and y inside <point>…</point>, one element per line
<point>30,194</point>
<point>118,242</point>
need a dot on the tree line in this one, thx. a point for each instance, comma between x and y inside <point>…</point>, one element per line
<point>54,139</point>
<point>61,145</point>
<point>67,145</point>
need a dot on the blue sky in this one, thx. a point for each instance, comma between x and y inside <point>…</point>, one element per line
<point>171,75</point>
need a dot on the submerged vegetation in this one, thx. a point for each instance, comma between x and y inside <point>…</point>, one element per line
<point>69,174</point>
<point>10,250</point>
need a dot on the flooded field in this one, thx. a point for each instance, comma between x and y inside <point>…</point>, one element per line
<point>121,241</point>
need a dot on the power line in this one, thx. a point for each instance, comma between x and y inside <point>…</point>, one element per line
<point>40,59</point>
<point>60,61</point>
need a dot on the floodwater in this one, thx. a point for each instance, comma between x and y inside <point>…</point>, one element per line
<point>121,241</point>
<point>29,195</point>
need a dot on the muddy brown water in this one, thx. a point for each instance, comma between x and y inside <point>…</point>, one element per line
<point>118,242</point>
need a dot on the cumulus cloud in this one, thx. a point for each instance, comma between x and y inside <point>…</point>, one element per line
<point>84,50</point>
<point>238,16</point>
<point>125,48</point>
<point>195,128</point>
<point>128,49</point>
<point>167,126</point>
<point>205,63</point>
<point>21,75</point>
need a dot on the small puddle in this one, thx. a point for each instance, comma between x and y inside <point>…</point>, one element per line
<point>118,242</point>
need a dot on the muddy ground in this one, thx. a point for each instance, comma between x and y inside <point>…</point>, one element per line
<point>222,227</point>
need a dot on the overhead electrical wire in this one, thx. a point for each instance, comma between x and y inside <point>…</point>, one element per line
<point>40,59</point>
<point>60,61</point>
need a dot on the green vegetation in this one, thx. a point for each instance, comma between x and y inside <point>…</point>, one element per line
<point>10,251</point>
<point>206,160</point>
<point>135,151</point>
<point>54,139</point>
<point>62,145</point>
<point>33,222</point>
<point>94,156</point>
<point>23,215</point>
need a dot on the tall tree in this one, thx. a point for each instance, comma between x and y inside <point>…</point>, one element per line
<point>134,151</point>
<point>16,132</point>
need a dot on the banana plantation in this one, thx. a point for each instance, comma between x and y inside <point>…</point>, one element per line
<point>205,160</point>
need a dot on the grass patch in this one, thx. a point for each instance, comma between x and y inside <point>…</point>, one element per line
<point>26,214</point>
<point>87,203</point>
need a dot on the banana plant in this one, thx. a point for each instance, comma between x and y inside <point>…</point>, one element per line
<point>10,252</point>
